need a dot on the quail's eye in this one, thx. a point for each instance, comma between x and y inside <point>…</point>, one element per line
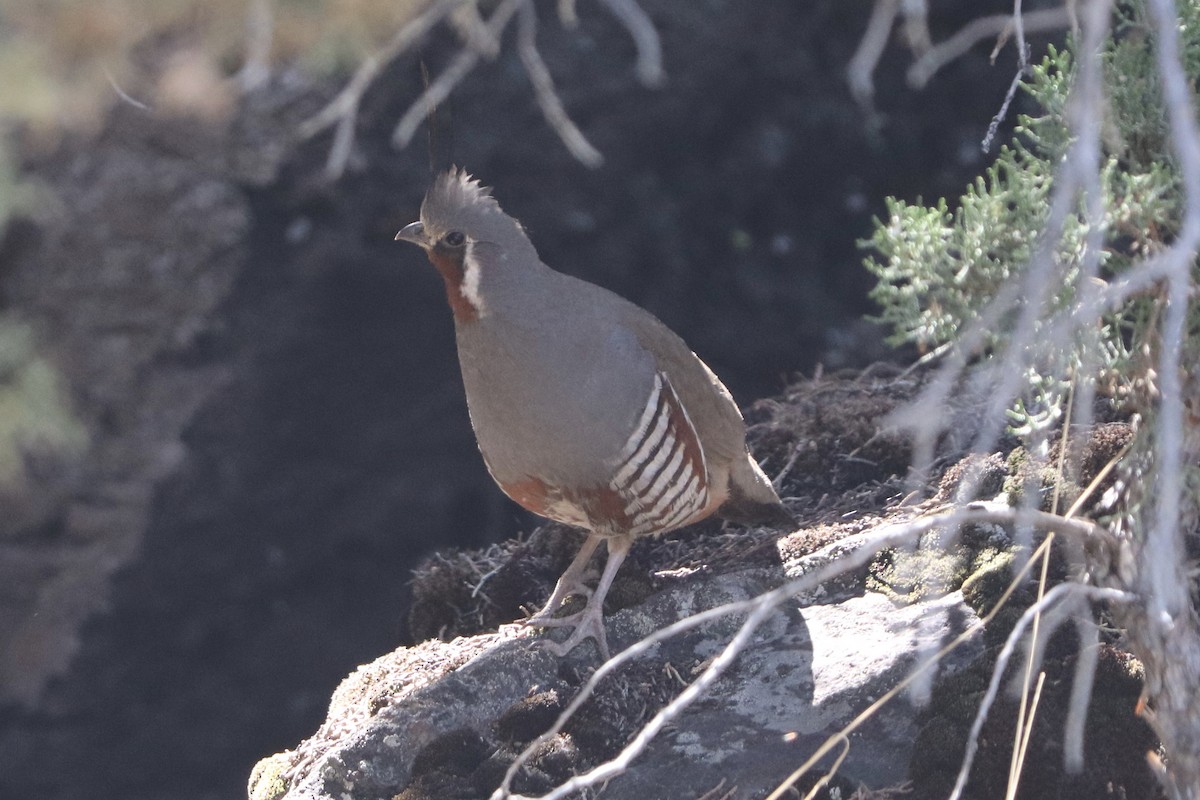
<point>454,239</point>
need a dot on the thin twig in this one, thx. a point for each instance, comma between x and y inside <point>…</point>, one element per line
<point>824,780</point>
<point>645,38</point>
<point>862,64</point>
<point>260,32</point>
<point>1028,338</point>
<point>1009,96</point>
<point>343,109</point>
<point>567,14</point>
<point>916,674</point>
<point>547,97</point>
<point>440,89</point>
<point>1058,594</point>
<point>1164,551</point>
<point>916,25</point>
<point>1081,694</point>
<point>1014,778</point>
<point>1022,728</point>
<point>1018,18</point>
<point>121,93</point>
<point>966,37</point>
<point>469,22</point>
<point>824,564</point>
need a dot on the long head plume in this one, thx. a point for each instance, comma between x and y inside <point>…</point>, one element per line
<point>458,202</point>
<point>455,191</point>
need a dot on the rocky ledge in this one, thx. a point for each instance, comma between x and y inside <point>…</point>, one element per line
<point>448,717</point>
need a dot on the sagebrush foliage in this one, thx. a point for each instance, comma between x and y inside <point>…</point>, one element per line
<point>938,269</point>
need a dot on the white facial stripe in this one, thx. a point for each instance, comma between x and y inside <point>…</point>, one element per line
<point>470,280</point>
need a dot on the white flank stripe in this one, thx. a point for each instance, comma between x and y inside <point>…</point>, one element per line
<point>676,519</point>
<point>677,502</point>
<point>639,430</point>
<point>643,494</point>
<point>654,465</point>
<point>662,486</point>
<point>646,448</point>
<point>688,508</point>
<point>667,499</point>
<point>661,482</point>
<point>688,497</point>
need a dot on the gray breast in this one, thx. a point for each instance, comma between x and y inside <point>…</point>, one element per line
<point>551,397</point>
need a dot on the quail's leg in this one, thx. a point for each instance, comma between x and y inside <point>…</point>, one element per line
<point>570,583</point>
<point>589,623</point>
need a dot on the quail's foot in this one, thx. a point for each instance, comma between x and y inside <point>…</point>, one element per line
<point>571,583</point>
<point>545,618</point>
<point>588,624</point>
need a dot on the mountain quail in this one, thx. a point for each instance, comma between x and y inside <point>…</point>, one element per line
<point>587,409</point>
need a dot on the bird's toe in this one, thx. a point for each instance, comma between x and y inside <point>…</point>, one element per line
<point>586,624</point>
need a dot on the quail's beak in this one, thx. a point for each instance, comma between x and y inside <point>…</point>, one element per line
<point>413,232</point>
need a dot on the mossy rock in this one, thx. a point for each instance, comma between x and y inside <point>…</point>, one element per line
<point>268,779</point>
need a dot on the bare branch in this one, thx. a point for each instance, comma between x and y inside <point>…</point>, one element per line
<point>471,27</point>
<point>1061,593</point>
<point>862,64</point>
<point>260,32</point>
<point>1018,19</point>
<point>543,89</point>
<point>482,41</point>
<point>1081,693</point>
<point>645,38</point>
<point>567,14</point>
<point>1031,293</point>
<point>440,89</point>
<point>125,96</point>
<point>822,565</point>
<point>930,57</point>
<point>1164,548</point>
<point>916,25</point>
<point>1163,626</point>
<point>916,675</point>
<point>999,25</point>
<point>343,109</point>
<point>994,125</point>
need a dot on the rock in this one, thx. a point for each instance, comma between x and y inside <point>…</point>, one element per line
<point>810,669</point>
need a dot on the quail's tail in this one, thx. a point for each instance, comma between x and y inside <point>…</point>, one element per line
<point>752,499</point>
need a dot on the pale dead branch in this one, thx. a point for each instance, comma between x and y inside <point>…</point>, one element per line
<point>260,32</point>
<point>481,42</point>
<point>645,39</point>
<point>1081,694</point>
<point>547,96</point>
<point>1163,624</point>
<point>999,25</point>
<point>822,565</point>
<point>862,64</point>
<point>343,109</point>
<point>1062,593</point>
<point>445,83</point>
